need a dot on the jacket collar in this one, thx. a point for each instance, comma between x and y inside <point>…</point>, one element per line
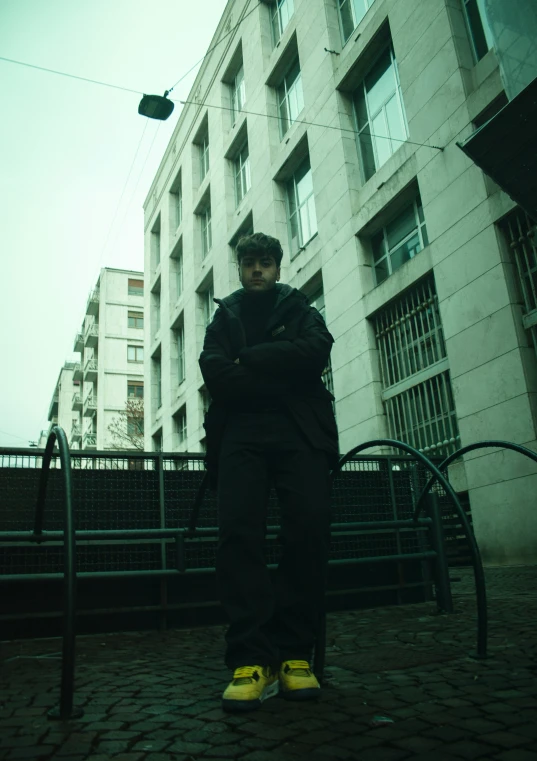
<point>287,296</point>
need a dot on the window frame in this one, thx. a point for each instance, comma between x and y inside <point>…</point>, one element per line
<point>276,21</point>
<point>206,230</point>
<point>355,20</point>
<point>287,89</point>
<point>291,189</point>
<point>136,317</point>
<point>180,344</point>
<point>420,228</point>
<point>242,173</point>
<point>238,94</point>
<point>135,287</point>
<point>484,28</point>
<point>366,129</point>
<point>136,384</point>
<point>203,147</point>
<point>137,348</point>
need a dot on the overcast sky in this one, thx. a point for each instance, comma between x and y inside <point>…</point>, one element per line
<point>66,150</point>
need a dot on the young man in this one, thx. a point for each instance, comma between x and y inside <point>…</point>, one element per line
<point>270,421</point>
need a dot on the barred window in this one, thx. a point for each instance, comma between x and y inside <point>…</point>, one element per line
<point>521,235</point>
<point>417,393</point>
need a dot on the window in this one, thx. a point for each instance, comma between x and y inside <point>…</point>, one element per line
<point>157,376</point>
<point>290,97</point>
<point>206,234</point>
<point>179,420</point>
<point>136,320</point>
<point>351,12</point>
<point>242,174</point>
<point>209,305</point>
<point>176,203</point>
<point>136,287</point>
<point>301,207</point>
<point>379,115</point>
<point>238,95</point>
<point>205,399</point>
<point>281,12</point>
<point>156,309</point>
<point>135,425</point>
<point>521,235</point>
<point>179,336</point>
<point>415,377</point>
<point>204,156</point>
<point>317,301</point>
<point>135,389</point>
<point>179,274</point>
<point>135,353</point>
<point>399,241</point>
<point>157,441</point>
<point>478,26</point>
<point>155,243</point>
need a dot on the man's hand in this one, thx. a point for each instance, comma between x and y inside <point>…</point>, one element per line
<point>237,361</point>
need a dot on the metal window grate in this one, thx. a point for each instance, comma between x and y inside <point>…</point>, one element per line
<point>414,368</point>
<point>521,236</point>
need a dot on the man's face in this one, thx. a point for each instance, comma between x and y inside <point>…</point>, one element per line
<point>258,272</point>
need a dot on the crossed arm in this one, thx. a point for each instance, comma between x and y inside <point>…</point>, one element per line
<point>269,369</point>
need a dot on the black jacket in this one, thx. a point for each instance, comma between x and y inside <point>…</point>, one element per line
<point>286,367</point>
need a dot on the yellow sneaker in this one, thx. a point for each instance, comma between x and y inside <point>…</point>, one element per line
<point>250,686</point>
<point>298,682</point>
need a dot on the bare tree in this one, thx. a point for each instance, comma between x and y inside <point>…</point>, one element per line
<point>127,428</point>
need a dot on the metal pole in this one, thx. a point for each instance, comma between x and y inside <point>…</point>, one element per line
<point>443,588</point>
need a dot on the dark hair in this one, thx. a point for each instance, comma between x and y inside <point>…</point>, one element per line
<point>261,244</point>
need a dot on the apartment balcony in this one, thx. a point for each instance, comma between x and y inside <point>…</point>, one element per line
<point>89,440</point>
<point>90,370</point>
<point>92,307</point>
<point>78,373</point>
<point>79,342</point>
<point>76,433</point>
<point>77,402</point>
<point>90,405</point>
<point>54,405</point>
<point>91,334</point>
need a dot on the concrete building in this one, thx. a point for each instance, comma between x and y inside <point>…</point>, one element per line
<point>94,393</point>
<point>61,411</point>
<point>332,125</point>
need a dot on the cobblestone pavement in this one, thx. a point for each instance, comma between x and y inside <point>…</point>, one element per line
<point>155,696</point>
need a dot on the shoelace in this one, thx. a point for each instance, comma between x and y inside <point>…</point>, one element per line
<point>299,668</point>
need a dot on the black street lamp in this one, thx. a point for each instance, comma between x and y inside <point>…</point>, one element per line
<point>156,106</point>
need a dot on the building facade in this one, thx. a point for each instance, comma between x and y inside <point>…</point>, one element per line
<point>333,125</point>
<point>106,387</point>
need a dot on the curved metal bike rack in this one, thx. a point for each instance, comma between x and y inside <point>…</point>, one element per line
<point>65,709</point>
<point>479,575</point>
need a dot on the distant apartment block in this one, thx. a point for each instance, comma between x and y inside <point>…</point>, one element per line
<point>332,125</point>
<point>95,392</point>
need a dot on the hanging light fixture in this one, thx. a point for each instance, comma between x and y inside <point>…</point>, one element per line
<point>156,106</point>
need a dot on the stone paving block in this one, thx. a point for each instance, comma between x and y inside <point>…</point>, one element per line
<point>417,744</point>
<point>150,746</point>
<point>383,754</point>
<point>32,752</point>
<point>504,739</point>
<point>527,730</point>
<point>448,733</point>
<point>468,749</point>
<point>521,754</point>
<point>187,747</point>
<point>113,747</point>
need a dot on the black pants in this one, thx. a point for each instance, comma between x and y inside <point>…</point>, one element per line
<point>271,622</point>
